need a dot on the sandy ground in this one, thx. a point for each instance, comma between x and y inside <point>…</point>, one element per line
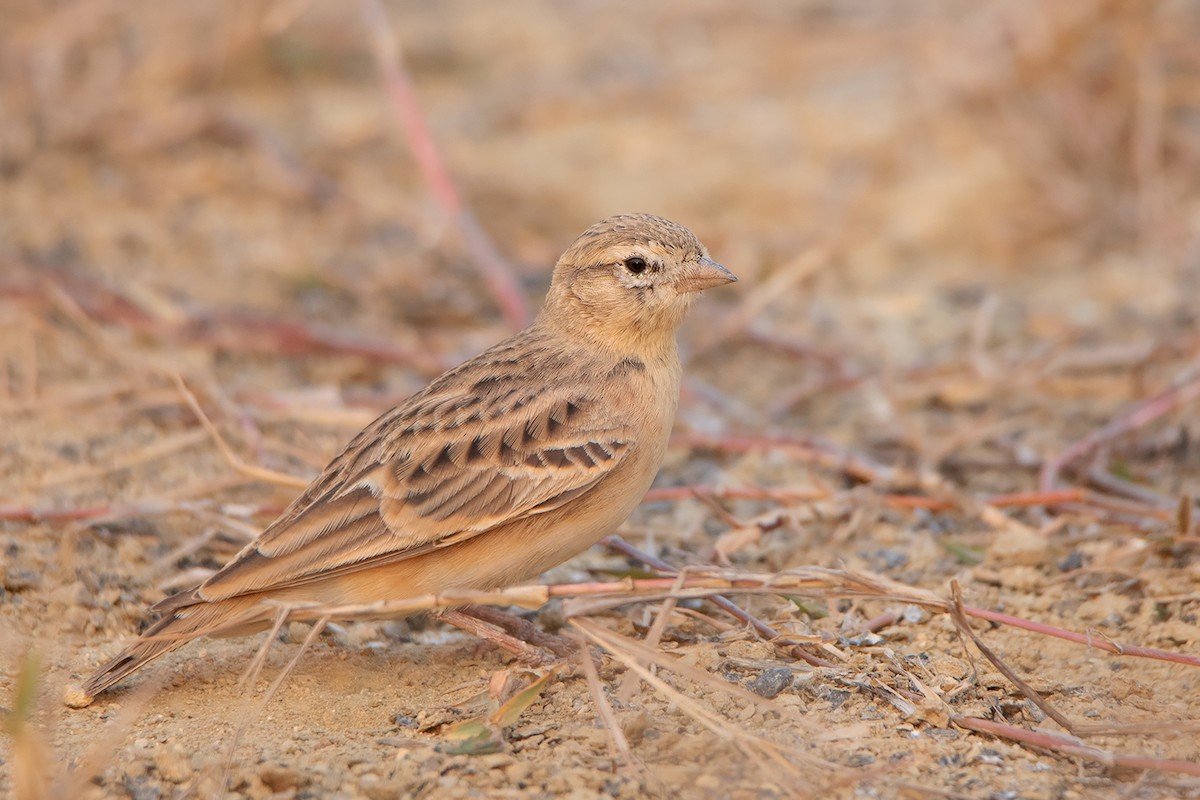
<point>966,236</point>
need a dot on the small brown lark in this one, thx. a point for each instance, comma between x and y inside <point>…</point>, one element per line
<point>498,470</point>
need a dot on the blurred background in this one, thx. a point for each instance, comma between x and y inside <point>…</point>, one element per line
<point>967,234</point>
<point>248,152</point>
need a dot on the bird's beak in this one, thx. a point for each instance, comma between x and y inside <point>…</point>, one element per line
<point>704,274</point>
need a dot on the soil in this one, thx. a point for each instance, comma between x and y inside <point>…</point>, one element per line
<point>965,234</point>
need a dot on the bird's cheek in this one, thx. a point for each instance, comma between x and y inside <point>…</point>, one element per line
<point>673,296</point>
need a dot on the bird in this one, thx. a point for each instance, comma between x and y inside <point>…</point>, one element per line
<point>501,468</point>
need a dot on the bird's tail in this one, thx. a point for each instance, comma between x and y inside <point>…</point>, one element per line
<point>184,618</point>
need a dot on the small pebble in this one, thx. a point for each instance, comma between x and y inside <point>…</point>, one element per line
<point>769,683</point>
<point>76,697</point>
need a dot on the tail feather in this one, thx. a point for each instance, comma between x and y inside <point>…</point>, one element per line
<point>180,625</point>
<point>134,657</point>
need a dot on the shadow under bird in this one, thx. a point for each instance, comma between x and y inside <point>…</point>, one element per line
<point>501,468</point>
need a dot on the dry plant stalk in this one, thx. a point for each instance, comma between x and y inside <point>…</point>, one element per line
<point>604,709</point>
<point>496,273</point>
<point>250,470</point>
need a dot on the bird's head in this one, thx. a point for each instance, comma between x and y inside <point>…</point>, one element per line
<point>630,279</point>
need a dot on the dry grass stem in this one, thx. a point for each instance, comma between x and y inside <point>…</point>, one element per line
<point>235,461</point>
<point>964,627</point>
<point>1141,414</point>
<point>1072,746</point>
<point>254,714</point>
<point>761,750</point>
<point>389,61</point>
<point>616,737</point>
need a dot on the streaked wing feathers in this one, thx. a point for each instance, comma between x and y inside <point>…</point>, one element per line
<point>460,458</point>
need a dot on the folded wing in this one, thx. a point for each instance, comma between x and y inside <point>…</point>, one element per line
<point>443,467</point>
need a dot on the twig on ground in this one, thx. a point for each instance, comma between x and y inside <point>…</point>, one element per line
<point>521,628</point>
<point>630,653</point>
<point>811,449</point>
<point>234,460</point>
<point>1107,481</point>
<point>1098,642</point>
<point>1070,745</point>
<point>1139,415</point>
<point>191,545</point>
<point>960,622</point>
<point>791,647</point>
<point>90,301</point>
<point>643,654</point>
<point>489,632</point>
<point>604,709</point>
<point>652,638</point>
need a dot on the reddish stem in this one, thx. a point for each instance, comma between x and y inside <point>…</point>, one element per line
<point>725,604</point>
<point>501,282</point>
<point>1082,638</point>
<point>1136,417</point>
<point>1069,745</point>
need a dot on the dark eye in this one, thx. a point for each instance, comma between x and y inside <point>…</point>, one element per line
<point>636,265</point>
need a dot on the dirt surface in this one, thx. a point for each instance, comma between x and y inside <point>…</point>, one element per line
<point>966,234</point>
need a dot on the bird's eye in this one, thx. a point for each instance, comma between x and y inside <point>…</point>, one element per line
<point>636,265</point>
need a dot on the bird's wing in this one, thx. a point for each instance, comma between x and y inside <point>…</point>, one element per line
<point>456,460</point>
